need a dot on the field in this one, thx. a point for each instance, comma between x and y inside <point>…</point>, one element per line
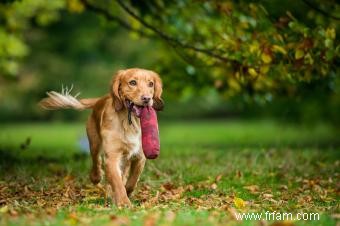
<point>207,172</point>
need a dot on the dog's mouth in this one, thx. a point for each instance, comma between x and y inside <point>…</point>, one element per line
<point>136,109</point>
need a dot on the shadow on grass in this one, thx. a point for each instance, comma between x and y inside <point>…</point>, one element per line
<point>331,144</point>
<point>11,158</point>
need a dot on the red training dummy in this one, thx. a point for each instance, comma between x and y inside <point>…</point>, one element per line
<point>150,134</point>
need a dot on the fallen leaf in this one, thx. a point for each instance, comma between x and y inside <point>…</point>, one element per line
<point>263,223</point>
<point>73,215</point>
<point>305,199</point>
<point>233,212</point>
<point>252,188</point>
<point>51,211</point>
<point>213,186</point>
<point>168,186</point>
<point>73,218</point>
<point>189,187</point>
<point>283,187</point>
<point>267,196</point>
<point>218,178</point>
<point>13,213</point>
<point>239,203</point>
<point>150,220</point>
<point>282,223</point>
<point>113,217</point>
<point>239,174</point>
<point>336,216</point>
<point>119,220</point>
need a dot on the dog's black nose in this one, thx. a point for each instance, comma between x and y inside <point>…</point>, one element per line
<point>146,99</point>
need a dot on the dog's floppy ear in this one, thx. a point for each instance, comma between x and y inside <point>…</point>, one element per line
<point>158,103</point>
<point>115,90</point>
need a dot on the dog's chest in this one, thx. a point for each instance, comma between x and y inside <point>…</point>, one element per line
<point>133,143</point>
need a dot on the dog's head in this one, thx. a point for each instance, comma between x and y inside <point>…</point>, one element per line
<point>136,87</point>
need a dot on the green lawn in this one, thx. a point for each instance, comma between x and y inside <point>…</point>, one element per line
<point>207,172</point>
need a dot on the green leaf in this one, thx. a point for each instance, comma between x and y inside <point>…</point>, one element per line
<point>299,54</point>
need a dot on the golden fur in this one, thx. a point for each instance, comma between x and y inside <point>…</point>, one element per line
<point>108,127</point>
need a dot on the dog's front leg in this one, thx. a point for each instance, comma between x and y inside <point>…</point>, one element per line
<point>137,166</point>
<point>114,176</point>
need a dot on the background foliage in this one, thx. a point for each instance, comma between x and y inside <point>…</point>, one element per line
<point>216,58</point>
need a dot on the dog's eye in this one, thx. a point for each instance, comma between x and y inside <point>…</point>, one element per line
<point>133,82</point>
<point>150,84</point>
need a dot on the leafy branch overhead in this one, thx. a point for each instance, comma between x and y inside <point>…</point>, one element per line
<point>260,48</point>
<point>246,45</point>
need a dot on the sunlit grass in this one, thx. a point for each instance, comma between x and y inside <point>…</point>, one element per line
<point>263,153</point>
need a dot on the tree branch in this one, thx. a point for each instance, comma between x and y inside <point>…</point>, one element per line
<point>173,41</point>
<point>111,17</point>
<point>320,10</point>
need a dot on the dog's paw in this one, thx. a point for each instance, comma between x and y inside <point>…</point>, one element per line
<point>129,190</point>
<point>95,176</point>
<point>123,202</point>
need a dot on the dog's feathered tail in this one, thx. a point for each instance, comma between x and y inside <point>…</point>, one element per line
<point>65,100</point>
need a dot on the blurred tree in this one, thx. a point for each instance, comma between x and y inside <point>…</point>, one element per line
<point>257,47</point>
<point>256,50</point>
<point>16,17</point>
<point>251,49</point>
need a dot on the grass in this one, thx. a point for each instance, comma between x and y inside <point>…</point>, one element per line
<point>207,171</point>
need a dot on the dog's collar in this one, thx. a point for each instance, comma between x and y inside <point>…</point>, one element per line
<point>129,117</point>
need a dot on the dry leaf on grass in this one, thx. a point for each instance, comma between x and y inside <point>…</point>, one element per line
<point>120,221</point>
<point>213,186</point>
<point>282,223</point>
<point>151,219</point>
<point>267,196</point>
<point>283,187</point>
<point>239,203</point>
<point>252,188</point>
<point>233,212</point>
<point>218,178</point>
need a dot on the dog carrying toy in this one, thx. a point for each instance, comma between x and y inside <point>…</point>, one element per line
<point>150,133</point>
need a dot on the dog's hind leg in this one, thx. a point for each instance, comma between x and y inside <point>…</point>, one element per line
<point>95,146</point>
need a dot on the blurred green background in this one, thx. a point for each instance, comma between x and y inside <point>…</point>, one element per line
<point>47,45</point>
